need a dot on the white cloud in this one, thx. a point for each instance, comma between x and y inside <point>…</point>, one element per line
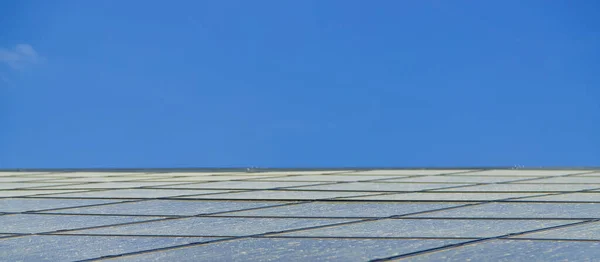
<point>19,57</point>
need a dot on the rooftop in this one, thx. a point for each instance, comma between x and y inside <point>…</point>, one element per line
<point>307,215</point>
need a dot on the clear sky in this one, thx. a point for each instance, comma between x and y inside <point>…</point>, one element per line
<point>323,83</point>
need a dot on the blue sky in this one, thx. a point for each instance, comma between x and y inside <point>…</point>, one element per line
<point>299,83</point>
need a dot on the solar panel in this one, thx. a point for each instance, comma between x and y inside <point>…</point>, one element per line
<point>300,215</point>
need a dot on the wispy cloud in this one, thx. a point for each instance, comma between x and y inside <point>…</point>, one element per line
<point>19,57</point>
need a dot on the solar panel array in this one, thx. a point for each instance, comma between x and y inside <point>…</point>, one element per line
<point>300,215</point>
